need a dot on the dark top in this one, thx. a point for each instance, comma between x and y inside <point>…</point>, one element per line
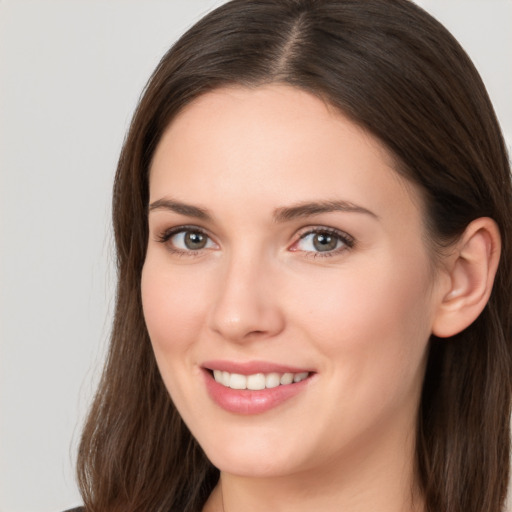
<point>77,509</point>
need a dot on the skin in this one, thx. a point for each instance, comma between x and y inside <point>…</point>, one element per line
<point>359,316</point>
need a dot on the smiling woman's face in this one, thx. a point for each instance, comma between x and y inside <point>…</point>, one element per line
<point>282,247</point>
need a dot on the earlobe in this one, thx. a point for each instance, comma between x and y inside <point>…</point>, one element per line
<point>472,269</point>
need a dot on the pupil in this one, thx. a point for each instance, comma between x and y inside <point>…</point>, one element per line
<point>323,242</point>
<point>194,240</point>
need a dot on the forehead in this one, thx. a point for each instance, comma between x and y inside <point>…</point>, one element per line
<point>274,143</point>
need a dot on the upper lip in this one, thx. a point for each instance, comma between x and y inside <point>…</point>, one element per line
<point>252,367</point>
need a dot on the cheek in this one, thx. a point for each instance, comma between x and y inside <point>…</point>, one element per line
<point>364,300</point>
<point>173,312</point>
<point>373,327</point>
<point>172,307</point>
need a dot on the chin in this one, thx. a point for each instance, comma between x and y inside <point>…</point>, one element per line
<point>250,467</point>
<point>250,458</point>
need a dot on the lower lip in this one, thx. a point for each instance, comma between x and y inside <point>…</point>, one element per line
<point>245,401</point>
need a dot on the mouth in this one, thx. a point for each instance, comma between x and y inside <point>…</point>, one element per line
<point>257,381</point>
<point>254,388</point>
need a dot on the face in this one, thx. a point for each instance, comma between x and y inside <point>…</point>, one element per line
<point>287,288</point>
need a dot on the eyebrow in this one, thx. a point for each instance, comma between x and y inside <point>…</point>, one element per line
<point>284,214</point>
<point>181,208</point>
<point>318,207</point>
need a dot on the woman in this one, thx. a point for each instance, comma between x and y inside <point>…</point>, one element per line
<point>312,214</point>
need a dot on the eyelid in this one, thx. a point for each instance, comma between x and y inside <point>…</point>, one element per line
<point>165,236</point>
<point>347,240</point>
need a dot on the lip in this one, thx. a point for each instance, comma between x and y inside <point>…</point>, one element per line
<point>245,401</point>
<point>252,367</point>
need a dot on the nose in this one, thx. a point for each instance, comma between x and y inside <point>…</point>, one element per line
<point>247,305</point>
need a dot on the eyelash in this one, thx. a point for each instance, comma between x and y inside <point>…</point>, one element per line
<point>347,240</point>
<point>169,233</point>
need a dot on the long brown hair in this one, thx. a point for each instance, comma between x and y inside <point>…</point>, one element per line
<point>398,73</point>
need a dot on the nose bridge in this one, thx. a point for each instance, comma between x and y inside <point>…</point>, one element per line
<point>246,305</point>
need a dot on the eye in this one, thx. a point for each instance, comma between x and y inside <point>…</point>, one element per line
<point>323,240</point>
<point>187,239</point>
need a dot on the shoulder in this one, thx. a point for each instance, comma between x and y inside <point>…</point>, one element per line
<point>77,509</point>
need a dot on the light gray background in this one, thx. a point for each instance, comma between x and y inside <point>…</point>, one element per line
<point>70,75</point>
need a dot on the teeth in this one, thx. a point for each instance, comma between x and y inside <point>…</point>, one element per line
<point>272,380</point>
<point>300,376</point>
<point>287,378</point>
<point>257,381</point>
<point>237,381</point>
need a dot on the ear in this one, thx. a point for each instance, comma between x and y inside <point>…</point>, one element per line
<point>471,271</point>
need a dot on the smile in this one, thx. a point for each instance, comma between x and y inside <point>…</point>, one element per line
<point>254,387</point>
<point>257,381</point>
